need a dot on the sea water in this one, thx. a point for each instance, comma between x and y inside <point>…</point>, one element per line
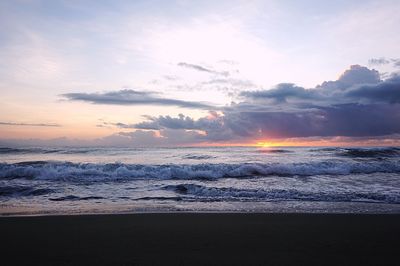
<point>39,180</point>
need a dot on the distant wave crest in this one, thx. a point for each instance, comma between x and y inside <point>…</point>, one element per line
<point>375,152</point>
<point>198,157</point>
<point>7,150</point>
<point>379,152</point>
<point>273,151</point>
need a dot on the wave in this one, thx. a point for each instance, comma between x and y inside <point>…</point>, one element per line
<point>93,172</point>
<point>161,198</point>
<point>7,150</point>
<point>273,151</point>
<point>7,191</point>
<point>203,193</point>
<point>198,157</point>
<point>362,152</point>
<point>370,152</point>
<point>75,198</point>
<point>328,149</point>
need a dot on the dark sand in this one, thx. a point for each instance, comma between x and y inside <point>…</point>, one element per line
<point>201,239</point>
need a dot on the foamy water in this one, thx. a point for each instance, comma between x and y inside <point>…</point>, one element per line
<point>287,179</point>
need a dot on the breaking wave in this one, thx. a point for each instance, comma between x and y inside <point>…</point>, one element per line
<point>88,172</point>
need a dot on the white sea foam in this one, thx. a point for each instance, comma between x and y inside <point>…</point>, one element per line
<point>118,171</point>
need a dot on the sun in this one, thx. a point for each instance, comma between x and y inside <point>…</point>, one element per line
<point>264,144</point>
<point>268,144</point>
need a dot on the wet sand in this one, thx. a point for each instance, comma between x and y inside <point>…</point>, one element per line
<point>201,239</point>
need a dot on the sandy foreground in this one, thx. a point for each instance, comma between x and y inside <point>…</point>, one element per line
<point>201,239</point>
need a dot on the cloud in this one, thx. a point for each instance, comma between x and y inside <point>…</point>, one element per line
<point>351,120</point>
<point>211,126</point>
<point>142,138</point>
<point>337,120</point>
<point>231,85</point>
<point>378,61</point>
<point>165,137</point>
<point>132,97</point>
<point>358,104</point>
<point>182,122</point>
<point>30,124</point>
<point>242,83</point>
<point>339,91</point>
<point>396,62</point>
<point>387,91</point>
<point>281,93</point>
<point>203,69</point>
<point>118,124</point>
<point>356,75</point>
<point>227,85</point>
<point>384,61</point>
<point>137,138</point>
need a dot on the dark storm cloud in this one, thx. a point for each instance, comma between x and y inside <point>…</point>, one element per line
<point>202,69</point>
<point>30,124</point>
<point>344,90</point>
<point>355,120</point>
<point>132,97</point>
<point>212,125</point>
<point>181,122</point>
<point>358,104</point>
<point>338,120</point>
<point>387,91</point>
<point>281,93</point>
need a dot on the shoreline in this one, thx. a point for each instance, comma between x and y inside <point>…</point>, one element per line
<point>280,207</point>
<point>174,212</point>
<point>202,239</point>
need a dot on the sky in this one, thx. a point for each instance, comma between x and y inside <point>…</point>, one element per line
<point>183,73</point>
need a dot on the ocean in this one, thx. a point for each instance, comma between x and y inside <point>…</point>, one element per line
<point>45,181</point>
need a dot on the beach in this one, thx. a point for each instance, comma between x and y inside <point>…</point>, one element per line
<point>200,206</point>
<point>201,239</point>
